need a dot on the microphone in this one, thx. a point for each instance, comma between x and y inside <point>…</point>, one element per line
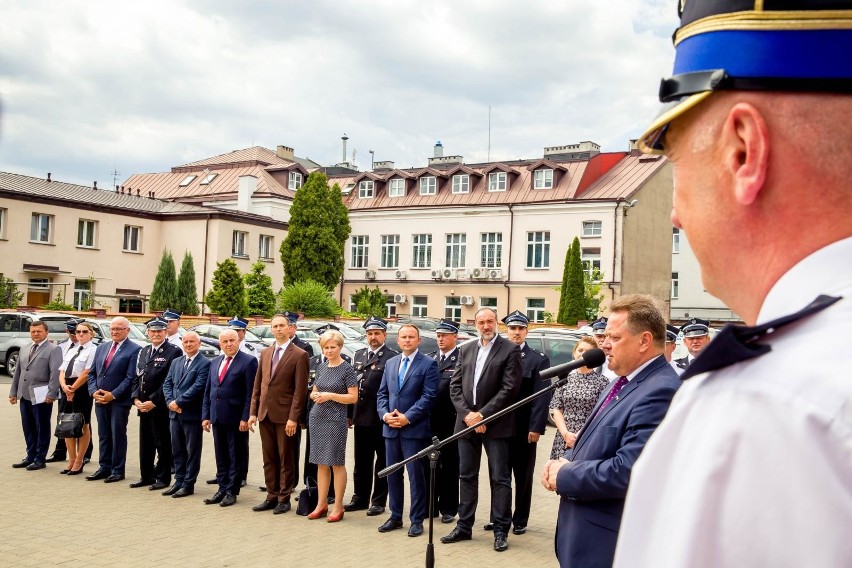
<point>591,359</point>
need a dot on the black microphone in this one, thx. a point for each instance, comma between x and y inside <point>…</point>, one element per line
<point>591,359</point>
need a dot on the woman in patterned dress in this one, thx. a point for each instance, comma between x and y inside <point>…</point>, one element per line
<point>335,386</point>
<point>572,403</point>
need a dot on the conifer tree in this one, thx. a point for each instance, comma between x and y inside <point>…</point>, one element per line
<point>187,293</point>
<point>164,294</point>
<point>260,298</point>
<point>227,296</point>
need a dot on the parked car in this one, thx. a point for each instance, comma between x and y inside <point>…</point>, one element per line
<point>102,332</point>
<point>428,339</point>
<point>264,332</point>
<point>430,324</point>
<point>349,332</point>
<point>209,334</point>
<point>15,333</point>
<point>208,348</point>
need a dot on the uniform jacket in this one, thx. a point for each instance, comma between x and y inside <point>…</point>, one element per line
<point>42,369</point>
<point>118,377</point>
<point>682,363</point>
<point>414,399</point>
<point>228,402</point>
<point>444,411</point>
<point>369,369</point>
<point>186,387</point>
<point>532,417</point>
<point>280,396</point>
<point>303,345</point>
<point>497,387</point>
<point>152,366</point>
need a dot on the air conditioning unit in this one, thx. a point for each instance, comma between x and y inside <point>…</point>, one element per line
<point>449,274</point>
<point>400,275</point>
<point>399,299</point>
<point>462,274</point>
<point>478,273</point>
<point>495,273</point>
<point>466,300</point>
<point>437,274</point>
<point>370,274</point>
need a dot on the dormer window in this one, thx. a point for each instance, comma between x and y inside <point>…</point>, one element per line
<point>461,183</point>
<point>365,189</point>
<point>207,179</point>
<point>396,187</point>
<point>187,180</point>
<point>497,181</point>
<point>428,185</point>
<point>543,179</point>
<point>294,181</point>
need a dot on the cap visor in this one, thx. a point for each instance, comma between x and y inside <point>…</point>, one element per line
<point>651,140</point>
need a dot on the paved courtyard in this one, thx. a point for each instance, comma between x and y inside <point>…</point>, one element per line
<point>52,520</point>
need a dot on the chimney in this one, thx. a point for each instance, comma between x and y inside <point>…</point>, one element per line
<point>116,189</point>
<point>138,193</point>
<point>95,185</point>
<point>344,138</point>
<point>439,150</point>
<point>121,190</point>
<point>153,195</point>
<point>285,152</point>
<point>48,177</point>
<point>247,186</point>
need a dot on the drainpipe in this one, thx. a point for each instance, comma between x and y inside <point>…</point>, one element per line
<point>616,249</point>
<point>509,260</point>
<point>206,244</point>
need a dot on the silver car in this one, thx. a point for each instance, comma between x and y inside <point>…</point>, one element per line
<point>15,333</point>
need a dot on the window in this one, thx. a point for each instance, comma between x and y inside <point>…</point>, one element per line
<point>456,250</point>
<point>294,180</point>
<point>535,309</point>
<point>365,189</point>
<point>187,180</point>
<point>418,306</point>
<point>390,306</point>
<point>543,179</point>
<point>360,251</point>
<point>461,183</point>
<point>86,233</point>
<point>452,308</point>
<point>207,179</point>
<point>591,258</point>
<point>130,306</point>
<point>352,306</point>
<point>675,286</point>
<point>41,228</point>
<point>82,295</point>
<point>2,223</point>
<point>675,240</point>
<point>132,239</point>
<point>421,251</point>
<point>428,185</point>
<point>488,302</point>
<point>396,188</point>
<point>265,247</point>
<point>492,249</point>
<point>538,249</point>
<point>592,228</point>
<point>390,251</point>
<point>238,244</point>
<point>497,181</point>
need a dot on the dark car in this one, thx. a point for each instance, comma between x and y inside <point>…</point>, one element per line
<point>430,324</point>
<point>209,334</point>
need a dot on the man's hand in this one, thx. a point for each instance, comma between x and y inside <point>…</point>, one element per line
<point>290,428</point>
<point>396,419</point>
<point>533,437</point>
<point>49,400</point>
<point>146,406</point>
<point>551,470</point>
<point>174,407</point>
<point>103,397</point>
<point>205,425</point>
<point>251,422</point>
<point>13,400</point>
<point>472,418</point>
<point>243,426</point>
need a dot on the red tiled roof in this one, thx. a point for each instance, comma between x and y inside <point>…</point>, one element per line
<point>166,185</point>
<point>257,154</point>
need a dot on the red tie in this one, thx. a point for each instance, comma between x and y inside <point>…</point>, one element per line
<point>110,354</point>
<point>224,370</point>
<point>613,393</point>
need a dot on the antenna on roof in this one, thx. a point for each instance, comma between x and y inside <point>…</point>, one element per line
<point>489,134</point>
<point>115,173</point>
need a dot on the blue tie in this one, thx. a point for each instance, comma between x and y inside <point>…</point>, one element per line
<point>402,369</point>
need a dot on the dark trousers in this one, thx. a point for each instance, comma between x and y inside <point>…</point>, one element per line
<point>278,471</point>
<point>186,450</point>
<point>398,449</point>
<point>369,461</point>
<point>470,456</point>
<point>112,436</point>
<point>445,498</point>
<point>35,421</point>
<point>243,442</point>
<point>310,469</point>
<point>231,457</point>
<point>522,462</point>
<point>155,439</point>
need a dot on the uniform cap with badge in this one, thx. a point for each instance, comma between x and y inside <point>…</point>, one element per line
<point>327,327</point>
<point>71,324</point>
<point>671,333</point>
<point>290,316</point>
<point>156,324</point>
<point>599,326</point>
<point>238,323</point>
<point>516,318</point>
<point>447,326</point>
<point>695,327</point>
<point>171,315</point>
<point>374,322</point>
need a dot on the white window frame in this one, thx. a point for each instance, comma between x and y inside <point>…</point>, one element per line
<point>87,230</point>
<point>390,306</point>
<point>488,302</point>
<point>592,229</point>
<point>294,180</point>
<point>41,223</point>
<point>675,240</point>
<point>419,306</point>
<point>535,313</point>
<point>208,178</point>
<point>132,241</point>
<point>452,308</point>
<point>461,183</point>
<point>366,189</point>
<point>456,250</point>
<point>360,251</point>
<point>421,250</point>
<point>498,181</point>
<point>82,294</point>
<point>396,187</point>
<point>543,179</point>
<point>3,222</point>
<point>265,246</point>
<point>390,251</point>
<point>675,285</point>
<point>428,185</point>
<point>187,180</point>
<point>591,259</point>
<point>491,250</point>
<point>239,240</point>
<point>538,241</point>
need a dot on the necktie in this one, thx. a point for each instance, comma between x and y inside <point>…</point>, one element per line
<point>32,351</point>
<point>69,370</point>
<point>736,343</point>
<point>616,388</point>
<point>224,370</point>
<point>442,359</point>
<point>275,357</point>
<point>186,364</point>
<point>402,369</point>
<point>110,355</point>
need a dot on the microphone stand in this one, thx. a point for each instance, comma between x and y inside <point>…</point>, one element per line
<point>433,452</point>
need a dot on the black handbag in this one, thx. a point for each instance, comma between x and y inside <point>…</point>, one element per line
<point>307,498</point>
<point>69,425</point>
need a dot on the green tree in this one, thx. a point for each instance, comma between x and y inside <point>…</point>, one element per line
<point>310,298</point>
<point>227,296</point>
<point>260,299</point>
<point>10,297</point>
<point>164,293</point>
<point>369,302</point>
<point>187,293</point>
<point>591,293</point>
<point>572,296</point>
<point>58,304</point>
<point>318,229</point>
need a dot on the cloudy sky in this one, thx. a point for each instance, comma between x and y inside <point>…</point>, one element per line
<point>88,87</point>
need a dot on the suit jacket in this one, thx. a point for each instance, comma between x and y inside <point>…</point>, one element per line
<point>228,402</point>
<point>118,377</point>
<point>497,387</point>
<point>186,387</point>
<point>369,369</point>
<point>43,369</point>
<point>532,417</point>
<point>444,411</point>
<point>414,399</point>
<point>280,396</point>
<point>303,345</point>
<point>594,485</point>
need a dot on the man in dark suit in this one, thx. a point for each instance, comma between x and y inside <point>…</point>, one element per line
<point>110,384</point>
<point>152,365</point>
<point>592,483</point>
<point>225,407</point>
<point>280,388</point>
<point>696,336</point>
<point>405,399</point>
<point>183,391</point>
<point>38,368</point>
<point>486,380</point>
<point>443,422</point>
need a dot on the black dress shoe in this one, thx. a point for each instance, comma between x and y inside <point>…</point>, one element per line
<point>354,505</point>
<point>172,490</point>
<point>375,510</point>
<point>183,492</point>
<point>113,478</point>
<point>243,483</point>
<point>281,508</point>
<point>36,465</point>
<point>228,500</point>
<point>519,529</point>
<point>390,525</point>
<point>488,527</point>
<point>86,460</point>
<point>265,506</point>
<point>213,481</point>
<point>447,518</point>
<point>416,529</point>
<point>157,486</point>
<point>456,535</point>
<point>217,498</point>
<point>23,463</point>
<point>500,542</point>
<point>100,473</point>
<point>141,483</point>
<point>54,457</point>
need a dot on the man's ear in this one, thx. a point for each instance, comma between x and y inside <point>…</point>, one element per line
<point>744,143</point>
